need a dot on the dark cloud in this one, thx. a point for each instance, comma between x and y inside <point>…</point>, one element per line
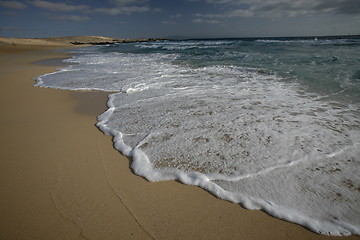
<point>12,4</point>
<point>58,6</point>
<point>348,7</point>
<point>285,8</point>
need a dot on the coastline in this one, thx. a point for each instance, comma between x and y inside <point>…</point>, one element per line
<point>62,179</point>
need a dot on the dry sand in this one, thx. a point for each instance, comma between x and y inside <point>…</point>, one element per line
<point>60,177</point>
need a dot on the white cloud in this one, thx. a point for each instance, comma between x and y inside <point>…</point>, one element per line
<point>126,7</point>
<point>202,20</point>
<point>67,17</point>
<point>123,10</point>
<point>285,8</point>
<point>241,13</point>
<point>211,15</point>
<point>178,15</point>
<point>12,4</point>
<point>58,6</point>
<point>229,14</point>
<point>119,7</point>
<point>128,2</point>
<point>168,22</point>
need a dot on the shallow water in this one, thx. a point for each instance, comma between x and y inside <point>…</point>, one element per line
<point>270,123</point>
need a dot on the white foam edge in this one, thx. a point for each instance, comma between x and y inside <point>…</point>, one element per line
<point>143,167</point>
<point>40,83</point>
<point>38,80</point>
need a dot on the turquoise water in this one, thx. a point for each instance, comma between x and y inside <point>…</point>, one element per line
<point>272,124</point>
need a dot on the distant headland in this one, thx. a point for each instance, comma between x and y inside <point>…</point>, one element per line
<point>71,40</point>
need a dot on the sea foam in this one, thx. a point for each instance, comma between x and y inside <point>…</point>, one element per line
<point>246,134</point>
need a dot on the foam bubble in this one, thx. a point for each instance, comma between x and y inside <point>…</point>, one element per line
<point>245,134</point>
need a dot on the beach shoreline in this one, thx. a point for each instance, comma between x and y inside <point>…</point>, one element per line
<point>61,178</point>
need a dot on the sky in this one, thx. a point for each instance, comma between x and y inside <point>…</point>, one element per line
<point>179,18</point>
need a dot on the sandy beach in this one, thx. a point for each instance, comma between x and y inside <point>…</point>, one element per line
<point>61,178</point>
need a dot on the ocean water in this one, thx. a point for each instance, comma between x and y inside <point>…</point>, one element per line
<point>272,124</point>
